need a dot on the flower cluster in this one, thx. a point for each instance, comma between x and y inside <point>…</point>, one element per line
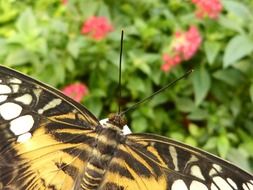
<point>209,8</point>
<point>76,91</point>
<point>183,47</point>
<point>64,2</point>
<point>97,27</point>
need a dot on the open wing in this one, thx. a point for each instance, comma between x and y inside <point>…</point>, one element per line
<point>152,162</point>
<point>45,137</point>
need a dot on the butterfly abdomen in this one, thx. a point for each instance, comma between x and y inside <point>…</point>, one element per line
<point>104,147</point>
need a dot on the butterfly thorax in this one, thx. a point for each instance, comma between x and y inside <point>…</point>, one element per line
<point>117,120</point>
<point>105,145</point>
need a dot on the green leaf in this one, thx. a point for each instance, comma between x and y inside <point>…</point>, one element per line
<point>191,141</point>
<point>143,62</point>
<point>176,136</point>
<point>145,68</point>
<point>211,49</point>
<point>239,157</point>
<point>139,124</point>
<point>201,84</point>
<point>59,26</point>
<point>251,92</point>
<point>60,73</point>
<point>3,47</point>
<point>156,76</point>
<point>244,66</point>
<point>93,104</point>
<point>27,23</point>
<point>185,104</point>
<point>243,135</point>
<point>136,85</point>
<point>38,45</point>
<point>223,145</point>
<point>198,114</point>
<point>158,99</point>
<point>194,130</point>
<point>8,11</point>
<point>248,146</point>
<point>70,65</point>
<point>230,24</point>
<point>210,144</point>
<point>238,8</point>
<point>236,106</point>
<point>43,73</point>
<point>103,9</point>
<point>17,57</point>
<point>89,7</point>
<point>73,47</point>
<point>230,76</point>
<point>238,47</point>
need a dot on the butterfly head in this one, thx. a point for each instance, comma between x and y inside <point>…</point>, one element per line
<point>117,120</point>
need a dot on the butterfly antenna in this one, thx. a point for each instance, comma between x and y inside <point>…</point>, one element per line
<point>157,92</point>
<point>120,63</point>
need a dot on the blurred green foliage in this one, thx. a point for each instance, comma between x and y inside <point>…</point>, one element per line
<point>211,109</point>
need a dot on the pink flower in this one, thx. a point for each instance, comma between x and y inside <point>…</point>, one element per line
<point>209,8</point>
<point>64,2</point>
<point>97,27</point>
<point>183,47</point>
<point>170,62</point>
<point>75,91</point>
<point>186,44</point>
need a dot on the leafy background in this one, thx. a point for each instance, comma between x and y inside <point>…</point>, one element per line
<point>211,109</point>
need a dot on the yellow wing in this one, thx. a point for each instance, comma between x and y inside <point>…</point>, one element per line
<point>152,162</point>
<point>45,137</point>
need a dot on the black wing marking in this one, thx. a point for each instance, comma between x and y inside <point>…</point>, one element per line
<point>45,137</point>
<point>26,85</point>
<point>149,162</point>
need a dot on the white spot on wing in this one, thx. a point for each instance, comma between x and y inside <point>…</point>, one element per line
<point>195,171</point>
<point>126,130</point>
<point>212,172</point>
<point>221,183</point>
<point>15,88</point>
<point>3,98</point>
<point>10,110</point>
<point>245,187</point>
<point>232,183</point>
<point>21,124</point>
<point>192,159</point>
<point>217,167</point>
<point>215,170</point>
<point>173,154</point>
<point>4,89</point>
<point>24,137</point>
<point>25,99</point>
<point>103,121</point>
<point>37,92</point>
<point>213,187</point>
<point>50,105</point>
<point>195,185</point>
<point>15,80</point>
<point>179,185</point>
<point>250,185</point>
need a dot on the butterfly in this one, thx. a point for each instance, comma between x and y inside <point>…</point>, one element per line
<point>48,141</point>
